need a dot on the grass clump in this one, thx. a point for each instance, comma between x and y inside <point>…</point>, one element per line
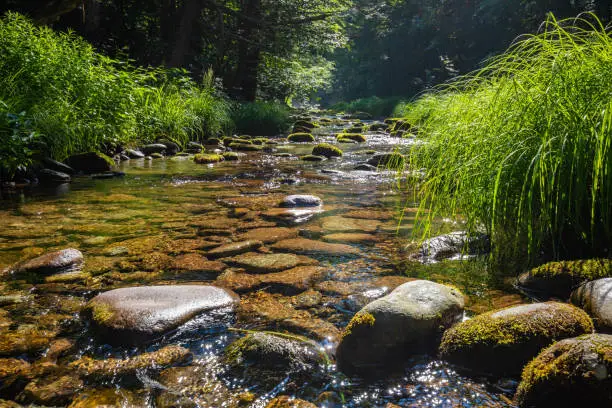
<point>522,148</point>
<point>300,138</point>
<point>261,118</point>
<point>326,150</point>
<point>77,100</point>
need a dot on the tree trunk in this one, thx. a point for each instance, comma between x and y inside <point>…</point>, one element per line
<point>190,13</point>
<point>249,52</point>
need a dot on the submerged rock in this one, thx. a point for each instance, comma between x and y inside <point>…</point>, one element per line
<point>453,245</point>
<point>134,315</point>
<point>51,391</point>
<point>501,342</point>
<point>289,402</point>
<point>309,246</point>
<point>408,321</point>
<point>267,263</point>
<point>89,163</point>
<point>66,260</point>
<point>115,368</point>
<point>270,235</point>
<point>342,224</point>
<point>288,282</point>
<point>560,278</point>
<point>109,397</point>
<point>596,299</point>
<point>574,372</point>
<point>301,200</point>
<point>234,248</point>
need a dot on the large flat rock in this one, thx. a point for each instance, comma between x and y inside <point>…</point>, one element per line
<point>310,246</point>
<point>140,314</point>
<point>66,260</point>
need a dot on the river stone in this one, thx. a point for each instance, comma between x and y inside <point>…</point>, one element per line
<point>66,260</point>
<point>274,352</point>
<point>300,200</point>
<point>596,299</point>
<point>134,315</point>
<point>365,167</point>
<point>89,163</point>
<point>51,391</point>
<point>267,263</point>
<point>57,166</point>
<point>408,321</point>
<point>571,373</point>
<point>52,176</point>
<point>341,224</point>
<point>453,245</point>
<point>196,263</point>
<point>109,397</point>
<point>134,154</point>
<point>234,248</point>
<point>289,402</point>
<point>309,246</point>
<point>270,235</point>
<point>501,342</point>
<point>153,148</point>
<point>291,216</point>
<point>351,237</point>
<point>288,282</point>
<point>558,279</point>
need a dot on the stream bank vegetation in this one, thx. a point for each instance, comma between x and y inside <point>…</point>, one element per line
<point>55,89</point>
<point>522,147</point>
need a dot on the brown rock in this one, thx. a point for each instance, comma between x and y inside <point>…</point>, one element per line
<point>291,281</point>
<point>289,402</point>
<point>342,224</point>
<point>234,248</point>
<point>353,238</point>
<point>51,391</point>
<point>267,263</point>
<point>308,246</point>
<point>62,261</point>
<point>270,235</point>
<point>197,263</point>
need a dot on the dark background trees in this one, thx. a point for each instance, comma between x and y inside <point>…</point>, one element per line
<point>296,49</point>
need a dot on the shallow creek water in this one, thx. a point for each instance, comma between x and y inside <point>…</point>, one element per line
<point>140,230</point>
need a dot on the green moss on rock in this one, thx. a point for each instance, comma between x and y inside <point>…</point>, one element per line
<point>360,319</point>
<point>245,147</point>
<point>573,372</point>
<point>300,138</point>
<point>356,137</point>
<point>205,158</point>
<point>501,342</point>
<point>326,150</point>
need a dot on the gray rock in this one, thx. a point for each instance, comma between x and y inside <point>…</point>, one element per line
<point>300,200</point>
<point>66,260</point>
<point>52,176</point>
<point>596,299</point>
<point>453,245</point>
<point>501,342</point>
<point>408,321</point>
<point>574,372</point>
<point>140,314</point>
<point>57,166</point>
<point>149,149</point>
<point>134,154</point>
<point>171,147</point>
<point>365,167</point>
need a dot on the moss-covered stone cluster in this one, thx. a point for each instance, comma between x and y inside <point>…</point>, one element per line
<point>326,150</point>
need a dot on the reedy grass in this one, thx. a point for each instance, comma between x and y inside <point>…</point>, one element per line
<point>261,118</point>
<point>80,100</point>
<point>522,148</point>
<point>375,106</point>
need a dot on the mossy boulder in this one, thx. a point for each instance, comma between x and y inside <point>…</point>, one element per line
<point>375,127</point>
<point>574,372</point>
<point>355,137</point>
<point>305,124</point>
<point>233,156</point>
<point>558,279</point>
<point>312,158</point>
<point>260,141</point>
<point>408,321</point>
<point>91,162</point>
<point>267,351</point>
<point>326,150</point>
<point>208,158</point>
<point>392,161</point>
<point>300,138</point>
<point>501,342</point>
<point>595,298</point>
<point>229,140</point>
<point>356,129</point>
<point>245,147</point>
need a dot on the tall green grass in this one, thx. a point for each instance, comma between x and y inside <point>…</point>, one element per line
<point>261,118</point>
<point>79,100</point>
<point>522,148</point>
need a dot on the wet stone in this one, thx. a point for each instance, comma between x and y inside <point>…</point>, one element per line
<point>353,238</point>
<point>291,216</point>
<point>289,402</point>
<point>595,298</point>
<point>294,201</point>
<point>288,282</point>
<point>309,246</point>
<point>51,391</point>
<point>107,398</point>
<point>66,260</point>
<point>132,315</point>
<point>234,248</point>
<point>343,224</point>
<point>197,263</point>
<point>269,235</point>
<point>267,263</point>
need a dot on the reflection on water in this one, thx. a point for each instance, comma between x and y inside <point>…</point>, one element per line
<point>133,229</point>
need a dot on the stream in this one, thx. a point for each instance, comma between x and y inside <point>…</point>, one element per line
<point>144,229</point>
